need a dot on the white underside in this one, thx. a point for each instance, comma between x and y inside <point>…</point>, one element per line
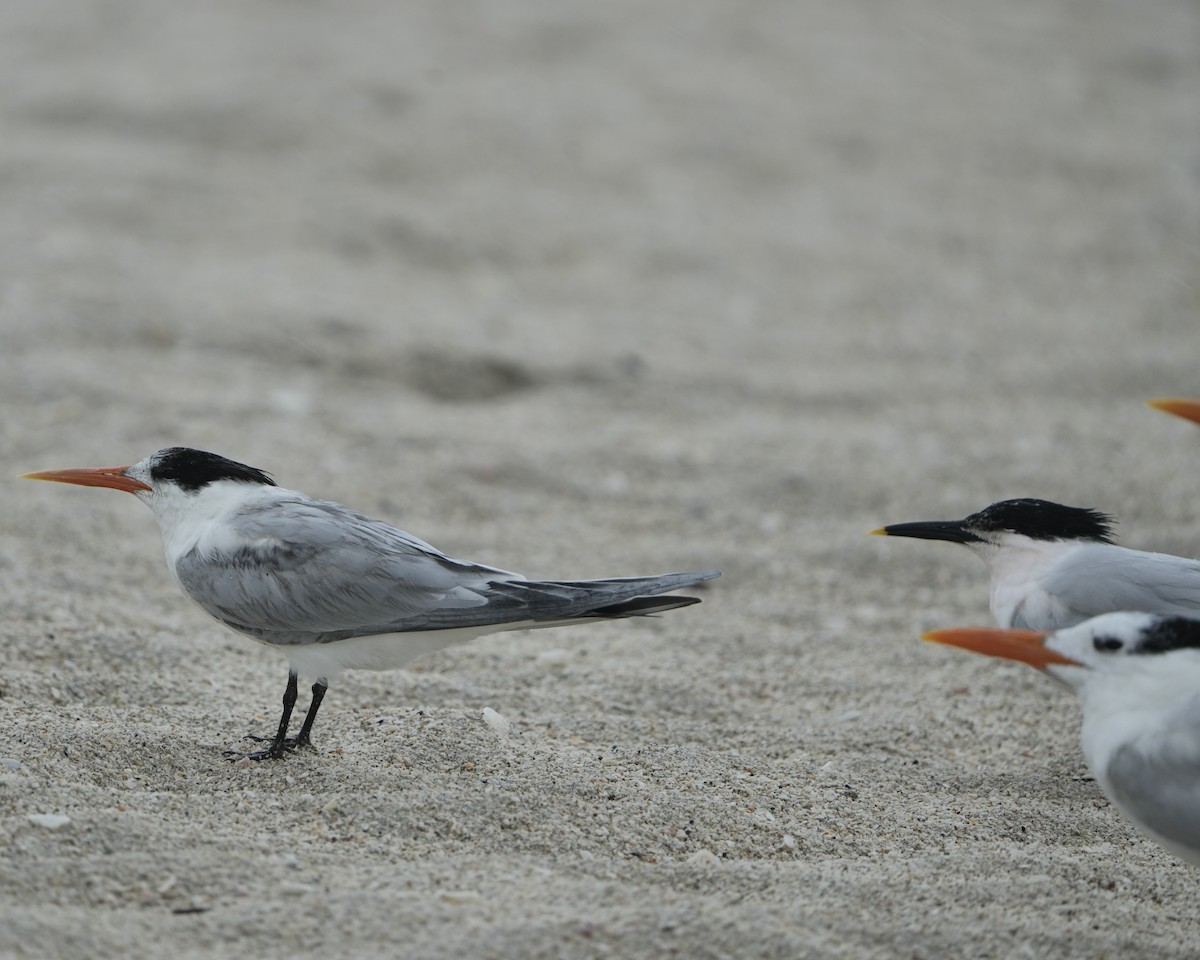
<point>387,651</point>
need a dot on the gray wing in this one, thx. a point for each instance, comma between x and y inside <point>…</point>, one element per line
<point>315,571</point>
<point>1161,789</point>
<point>1102,578</point>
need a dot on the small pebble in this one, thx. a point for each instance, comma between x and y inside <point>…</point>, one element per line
<point>461,896</point>
<point>553,659</point>
<point>496,721</point>
<point>51,821</point>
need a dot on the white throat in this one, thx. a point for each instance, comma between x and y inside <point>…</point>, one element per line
<point>1018,565</point>
<point>202,519</point>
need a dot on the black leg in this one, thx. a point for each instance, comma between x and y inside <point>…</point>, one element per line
<point>280,744</point>
<point>318,694</point>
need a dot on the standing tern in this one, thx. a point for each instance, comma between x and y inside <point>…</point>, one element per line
<point>1137,676</point>
<point>1053,566</point>
<point>333,589</point>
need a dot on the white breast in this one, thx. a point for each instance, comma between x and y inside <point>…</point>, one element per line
<point>1018,567</point>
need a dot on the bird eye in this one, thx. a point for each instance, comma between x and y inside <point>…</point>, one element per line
<point>1107,644</point>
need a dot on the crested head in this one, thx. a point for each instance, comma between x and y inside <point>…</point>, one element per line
<point>192,470</point>
<point>1164,634</point>
<point>1130,660</point>
<point>1117,636</point>
<point>1042,520</point>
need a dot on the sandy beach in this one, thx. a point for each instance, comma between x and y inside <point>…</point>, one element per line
<point>589,290</point>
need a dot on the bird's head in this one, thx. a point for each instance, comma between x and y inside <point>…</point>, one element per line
<point>1038,520</point>
<point>171,475</point>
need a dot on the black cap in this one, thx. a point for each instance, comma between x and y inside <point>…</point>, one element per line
<point>1043,520</point>
<point>194,469</point>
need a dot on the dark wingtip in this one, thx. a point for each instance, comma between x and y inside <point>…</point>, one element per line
<point>642,607</point>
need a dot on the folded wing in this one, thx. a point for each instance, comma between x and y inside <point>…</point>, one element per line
<point>1103,578</point>
<point>1159,784</point>
<point>312,571</point>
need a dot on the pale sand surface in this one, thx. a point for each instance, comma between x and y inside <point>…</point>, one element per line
<point>590,289</point>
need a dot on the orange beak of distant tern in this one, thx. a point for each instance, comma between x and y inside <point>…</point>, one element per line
<point>1027,646</point>
<point>114,477</point>
<point>1188,409</point>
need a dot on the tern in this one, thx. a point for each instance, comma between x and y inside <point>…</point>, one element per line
<point>1181,407</point>
<point>334,590</point>
<point>1054,566</point>
<point>1137,677</point>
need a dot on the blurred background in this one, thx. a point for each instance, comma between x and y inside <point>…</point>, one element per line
<point>589,289</point>
<point>248,224</point>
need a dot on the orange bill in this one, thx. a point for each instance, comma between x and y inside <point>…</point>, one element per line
<point>114,477</point>
<point>1180,406</point>
<point>1027,646</point>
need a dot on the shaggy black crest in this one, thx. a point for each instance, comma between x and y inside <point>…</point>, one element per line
<point>193,469</point>
<point>1169,633</point>
<point>1043,520</point>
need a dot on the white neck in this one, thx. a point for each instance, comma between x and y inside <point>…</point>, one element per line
<point>1017,565</point>
<point>201,519</point>
<point>1153,697</point>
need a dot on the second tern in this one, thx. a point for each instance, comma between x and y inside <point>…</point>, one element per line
<point>1053,566</point>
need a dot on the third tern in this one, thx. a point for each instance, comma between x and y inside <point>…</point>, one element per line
<point>1137,677</point>
<point>1053,566</point>
<point>332,589</point>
